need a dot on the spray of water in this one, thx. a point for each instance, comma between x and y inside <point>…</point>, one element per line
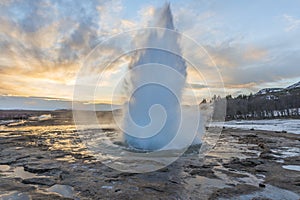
<point>157,78</point>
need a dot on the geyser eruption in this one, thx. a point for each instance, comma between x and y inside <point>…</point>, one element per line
<point>153,115</point>
<point>155,118</point>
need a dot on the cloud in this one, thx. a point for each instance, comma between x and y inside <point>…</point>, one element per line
<point>283,66</point>
<point>255,54</point>
<point>230,54</point>
<point>197,86</point>
<point>293,23</point>
<point>146,14</point>
<point>245,65</point>
<point>43,44</point>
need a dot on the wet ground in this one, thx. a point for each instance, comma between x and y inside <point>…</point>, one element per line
<point>51,162</point>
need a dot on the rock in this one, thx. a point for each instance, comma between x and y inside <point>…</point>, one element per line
<point>237,163</point>
<point>267,155</point>
<point>7,161</point>
<point>235,160</point>
<point>156,189</point>
<point>117,190</point>
<point>175,179</point>
<point>134,188</point>
<point>53,172</point>
<point>192,166</point>
<point>109,180</point>
<point>203,172</point>
<point>119,143</point>
<point>127,174</point>
<point>262,145</point>
<point>165,169</point>
<point>64,174</point>
<point>251,135</point>
<point>261,185</point>
<point>251,162</point>
<point>63,190</point>
<point>39,181</point>
<point>40,168</point>
<point>260,168</point>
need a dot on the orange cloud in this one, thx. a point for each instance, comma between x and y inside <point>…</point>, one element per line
<point>255,54</point>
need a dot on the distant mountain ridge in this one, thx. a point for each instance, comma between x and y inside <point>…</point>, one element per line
<point>274,90</point>
<point>296,85</point>
<point>268,90</point>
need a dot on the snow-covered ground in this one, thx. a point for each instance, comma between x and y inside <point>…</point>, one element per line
<point>289,125</point>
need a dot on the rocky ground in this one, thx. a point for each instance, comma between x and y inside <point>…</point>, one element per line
<point>50,162</point>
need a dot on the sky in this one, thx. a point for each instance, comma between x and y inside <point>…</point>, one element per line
<point>254,44</point>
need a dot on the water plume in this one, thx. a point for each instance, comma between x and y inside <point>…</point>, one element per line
<point>157,78</point>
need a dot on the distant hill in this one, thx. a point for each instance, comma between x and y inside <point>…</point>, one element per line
<point>269,90</point>
<point>278,90</point>
<point>266,103</point>
<point>294,86</point>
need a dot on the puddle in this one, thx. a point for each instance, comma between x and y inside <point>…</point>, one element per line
<point>4,168</point>
<point>203,186</point>
<point>292,167</point>
<point>279,161</point>
<point>239,177</point>
<point>63,190</point>
<point>270,192</point>
<point>286,152</point>
<point>260,176</point>
<point>16,123</point>
<point>14,195</point>
<point>19,172</point>
<point>226,150</point>
<point>107,187</point>
<point>5,122</point>
<point>67,158</point>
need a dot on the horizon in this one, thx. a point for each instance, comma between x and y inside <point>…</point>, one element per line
<point>40,103</point>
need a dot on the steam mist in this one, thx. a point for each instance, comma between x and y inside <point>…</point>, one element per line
<point>153,114</point>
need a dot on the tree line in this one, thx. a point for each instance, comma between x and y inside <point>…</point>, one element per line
<point>281,104</point>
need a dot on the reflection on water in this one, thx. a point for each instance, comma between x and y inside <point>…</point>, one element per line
<point>227,150</point>
<point>4,168</point>
<point>285,152</point>
<point>59,138</point>
<point>292,167</point>
<point>14,195</point>
<point>20,173</point>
